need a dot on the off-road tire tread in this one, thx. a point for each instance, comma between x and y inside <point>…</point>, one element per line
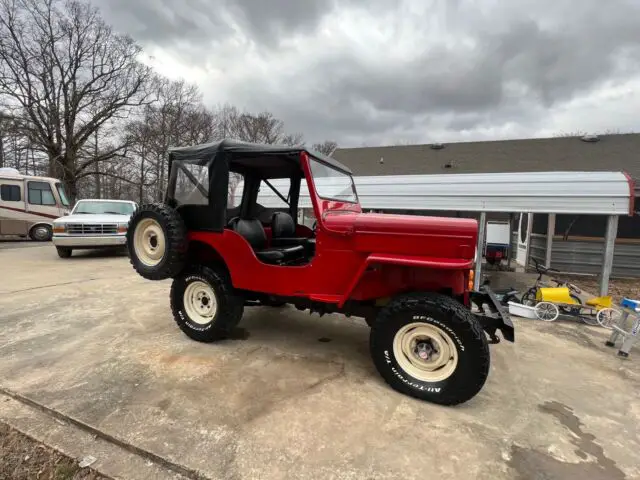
<point>230,306</point>
<point>460,316</point>
<point>176,242</point>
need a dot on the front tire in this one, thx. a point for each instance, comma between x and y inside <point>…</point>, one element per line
<point>430,347</point>
<point>204,304</point>
<point>64,252</point>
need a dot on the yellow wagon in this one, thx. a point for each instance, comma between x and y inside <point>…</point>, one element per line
<point>550,301</point>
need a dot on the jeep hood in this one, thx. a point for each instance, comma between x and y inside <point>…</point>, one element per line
<point>435,237</point>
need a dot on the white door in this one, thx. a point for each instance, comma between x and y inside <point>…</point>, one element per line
<point>524,230</point>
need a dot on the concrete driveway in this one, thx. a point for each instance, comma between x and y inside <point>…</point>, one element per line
<point>293,396</point>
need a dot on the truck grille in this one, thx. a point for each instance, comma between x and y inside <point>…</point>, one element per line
<point>92,229</point>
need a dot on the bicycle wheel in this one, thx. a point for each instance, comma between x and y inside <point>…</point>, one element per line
<point>529,297</point>
<point>547,311</point>
<point>608,317</point>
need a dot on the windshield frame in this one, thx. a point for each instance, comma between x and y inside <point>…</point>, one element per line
<point>62,195</point>
<point>79,202</point>
<point>342,173</point>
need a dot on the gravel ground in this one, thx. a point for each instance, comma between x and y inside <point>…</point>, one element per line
<point>22,458</point>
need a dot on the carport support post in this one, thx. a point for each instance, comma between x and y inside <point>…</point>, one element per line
<point>510,249</point>
<point>609,245</point>
<point>482,229</point>
<point>551,231</point>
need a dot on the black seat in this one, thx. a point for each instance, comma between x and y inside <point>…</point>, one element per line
<point>283,231</point>
<point>253,232</point>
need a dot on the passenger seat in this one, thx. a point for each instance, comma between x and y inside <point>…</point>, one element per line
<point>283,230</point>
<point>253,232</point>
<point>283,234</point>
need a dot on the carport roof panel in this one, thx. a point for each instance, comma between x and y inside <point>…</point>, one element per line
<point>604,193</point>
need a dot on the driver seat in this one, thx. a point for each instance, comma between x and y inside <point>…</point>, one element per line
<point>253,232</point>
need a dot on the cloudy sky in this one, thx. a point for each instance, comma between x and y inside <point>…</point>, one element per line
<point>385,71</point>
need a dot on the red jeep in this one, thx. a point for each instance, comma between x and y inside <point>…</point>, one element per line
<point>407,276</point>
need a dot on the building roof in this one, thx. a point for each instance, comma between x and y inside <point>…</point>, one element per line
<point>610,153</point>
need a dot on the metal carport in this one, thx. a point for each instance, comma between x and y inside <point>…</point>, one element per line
<point>589,193</point>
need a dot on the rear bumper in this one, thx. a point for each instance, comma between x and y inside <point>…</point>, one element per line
<point>492,315</point>
<point>82,241</point>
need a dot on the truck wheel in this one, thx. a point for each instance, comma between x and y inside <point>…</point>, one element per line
<point>204,304</point>
<point>157,241</point>
<point>430,347</point>
<point>64,252</point>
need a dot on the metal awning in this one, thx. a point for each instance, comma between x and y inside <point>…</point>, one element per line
<point>593,193</point>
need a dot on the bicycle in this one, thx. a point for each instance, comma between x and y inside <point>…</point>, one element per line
<point>530,297</point>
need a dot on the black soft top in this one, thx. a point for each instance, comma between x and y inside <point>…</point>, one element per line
<point>207,153</point>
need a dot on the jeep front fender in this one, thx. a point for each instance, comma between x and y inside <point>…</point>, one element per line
<point>430,264</point>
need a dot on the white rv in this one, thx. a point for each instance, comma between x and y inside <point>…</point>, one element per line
<point>28,205</point>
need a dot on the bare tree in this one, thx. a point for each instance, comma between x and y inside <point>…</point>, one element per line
<point>327,147</point>
<point>67,74</point>
<point>177,118</point>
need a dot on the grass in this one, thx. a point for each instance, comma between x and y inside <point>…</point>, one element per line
<point>23,458</point>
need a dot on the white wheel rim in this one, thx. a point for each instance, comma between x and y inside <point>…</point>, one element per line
<point>608,317</point>
<point>547,311</point>
<point>425,352</point>
<point>200,302</point>
<point>149,242</point>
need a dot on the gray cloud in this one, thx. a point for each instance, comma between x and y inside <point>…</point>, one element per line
<point>371,72</point>
<point>163,22</point>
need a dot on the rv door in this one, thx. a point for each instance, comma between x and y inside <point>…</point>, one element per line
<point>13,217</point>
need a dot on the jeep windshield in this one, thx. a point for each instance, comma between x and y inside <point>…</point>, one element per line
<point>331,183</point>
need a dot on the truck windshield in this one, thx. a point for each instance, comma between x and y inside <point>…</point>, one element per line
<point>62,194</point>
<point>116,208</point>
<point>331,183</point>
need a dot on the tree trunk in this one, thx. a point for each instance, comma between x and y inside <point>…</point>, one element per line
<point>95,153</point>
<point>141,193</point>
<point>62,167</point>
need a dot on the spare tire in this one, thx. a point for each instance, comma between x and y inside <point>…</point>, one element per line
<point>157,241</point>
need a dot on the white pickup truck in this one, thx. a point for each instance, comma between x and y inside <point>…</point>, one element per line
<point>93,224</point>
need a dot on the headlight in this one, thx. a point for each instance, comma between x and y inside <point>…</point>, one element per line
<point>122,227</point>
<point>59,228</point>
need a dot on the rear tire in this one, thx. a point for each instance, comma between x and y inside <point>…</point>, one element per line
<point>430,347</point>
<point>64,252</point>
<point>157,241</point>
<point>41,233</point>
<point>204,304</point>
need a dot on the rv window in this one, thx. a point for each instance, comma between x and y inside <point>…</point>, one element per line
<point>40,194</point>
<point>10,193</point>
